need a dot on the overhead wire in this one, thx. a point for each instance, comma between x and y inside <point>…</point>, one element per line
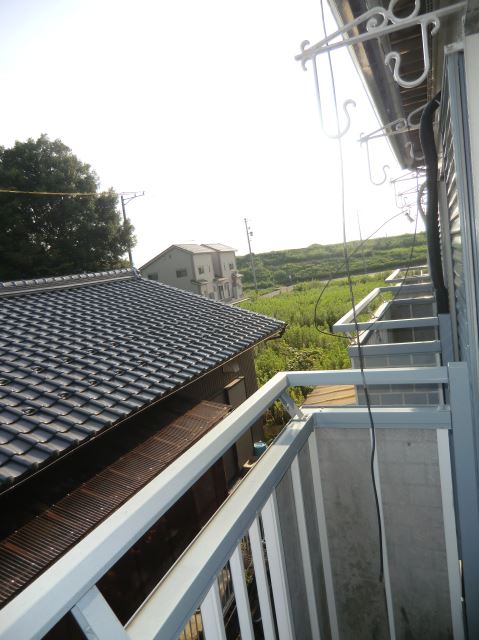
<point>75,194</point>
<point>326,285</point>
<point>351,292</point>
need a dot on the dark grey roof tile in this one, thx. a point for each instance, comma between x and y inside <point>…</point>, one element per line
<point>7,416</point>
<point>80,353</point>
<point>32,458</point>
<point>10,471</point>
<point>6,436</point>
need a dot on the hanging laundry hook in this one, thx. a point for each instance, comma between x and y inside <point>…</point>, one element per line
<point>385,167</point>
<point>393,58</point>
<point>409,145</point>
<point>348,103</point>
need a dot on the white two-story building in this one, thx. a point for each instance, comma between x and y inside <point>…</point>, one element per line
<point>207,269</point>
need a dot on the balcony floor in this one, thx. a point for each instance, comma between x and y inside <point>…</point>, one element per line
<point>324,395</point>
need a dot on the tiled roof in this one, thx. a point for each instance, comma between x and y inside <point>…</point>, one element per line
<point>60,526</point>
<point>81,353</point>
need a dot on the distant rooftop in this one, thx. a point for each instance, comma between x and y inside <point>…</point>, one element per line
<point>79,354</point>
<point>191,248</point>
<point>219,247</point>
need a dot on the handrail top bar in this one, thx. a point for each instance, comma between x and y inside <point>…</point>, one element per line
<point>394,275</point>
<point>378,325</point>
<point>399,375</point>
<point>434,417</point>
<point>390,348</point>
<point>409,287</point>
<point>409,280</point>
<point>362,304</point>
<point>372,295</point>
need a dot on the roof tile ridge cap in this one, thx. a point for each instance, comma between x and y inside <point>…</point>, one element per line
<point>13,287</point>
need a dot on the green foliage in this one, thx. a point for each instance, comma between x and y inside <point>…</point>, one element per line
<point>53,235</point>
<point>302,346</point>
<point>323,261</point>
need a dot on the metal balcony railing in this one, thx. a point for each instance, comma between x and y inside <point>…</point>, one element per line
<point>346,323</point>
<point>257,508</point>
<point>410,276</point>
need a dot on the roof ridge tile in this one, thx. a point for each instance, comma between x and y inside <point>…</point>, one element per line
<point>32,285</point>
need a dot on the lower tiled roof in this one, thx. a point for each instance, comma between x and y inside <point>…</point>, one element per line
<point>33,547</point>
<point>79,354</point>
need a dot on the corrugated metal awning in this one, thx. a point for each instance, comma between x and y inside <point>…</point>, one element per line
<point>31,549</point>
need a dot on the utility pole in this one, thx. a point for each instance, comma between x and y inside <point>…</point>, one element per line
<point>361,241</point>
<point>126,197</point>
<point>248,234</point>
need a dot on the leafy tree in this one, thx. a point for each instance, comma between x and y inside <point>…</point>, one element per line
<point>43,235</point>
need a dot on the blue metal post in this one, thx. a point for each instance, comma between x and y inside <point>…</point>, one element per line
<point>466,480</point>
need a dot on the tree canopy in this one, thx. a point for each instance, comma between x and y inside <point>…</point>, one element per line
<point>42,235</point>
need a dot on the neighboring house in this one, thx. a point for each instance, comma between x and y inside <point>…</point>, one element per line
<point>105,379</point>
<point>206,269</point>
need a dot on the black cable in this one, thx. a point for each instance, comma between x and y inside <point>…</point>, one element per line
<point>351,292</point>
<point>357,248</point>
<point>426,134</point>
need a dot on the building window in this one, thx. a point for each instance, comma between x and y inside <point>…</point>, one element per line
<point>232,265</point>
<point>181,273</point>
<point>201,270</point>
<point>153,276</point>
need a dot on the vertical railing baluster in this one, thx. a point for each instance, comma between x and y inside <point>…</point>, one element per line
<point>323,536</point>
<point>261,578</point>
<point>449,517</point>
<point>387,579</point>
<point>241,594</point>
<point>466,481</point>
<point>212,614</point>
<point>305,553</point>
<point>277,569</point>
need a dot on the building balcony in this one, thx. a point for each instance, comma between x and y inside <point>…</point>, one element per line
<point>305,512</point>
<point>404,330</point>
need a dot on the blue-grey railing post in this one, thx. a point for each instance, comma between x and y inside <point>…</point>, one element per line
<point>466,480</point>
<point>445,336</point>
<point>447,346</point>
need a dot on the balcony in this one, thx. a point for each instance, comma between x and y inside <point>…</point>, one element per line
<point>306,511</point>
<point>403,331</point>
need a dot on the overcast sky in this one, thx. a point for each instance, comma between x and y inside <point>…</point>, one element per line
<point>200,104</point>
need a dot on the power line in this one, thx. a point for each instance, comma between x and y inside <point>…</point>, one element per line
<point>72,194</point>
<point>355,319</point>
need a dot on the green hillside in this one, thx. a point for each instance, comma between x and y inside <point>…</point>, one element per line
<point>323,261</point>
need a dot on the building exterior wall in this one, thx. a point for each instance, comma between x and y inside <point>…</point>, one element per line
<point>202,272</point>
<point>165,268</point>
<point>214,387</point>
<point>203,269</point>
